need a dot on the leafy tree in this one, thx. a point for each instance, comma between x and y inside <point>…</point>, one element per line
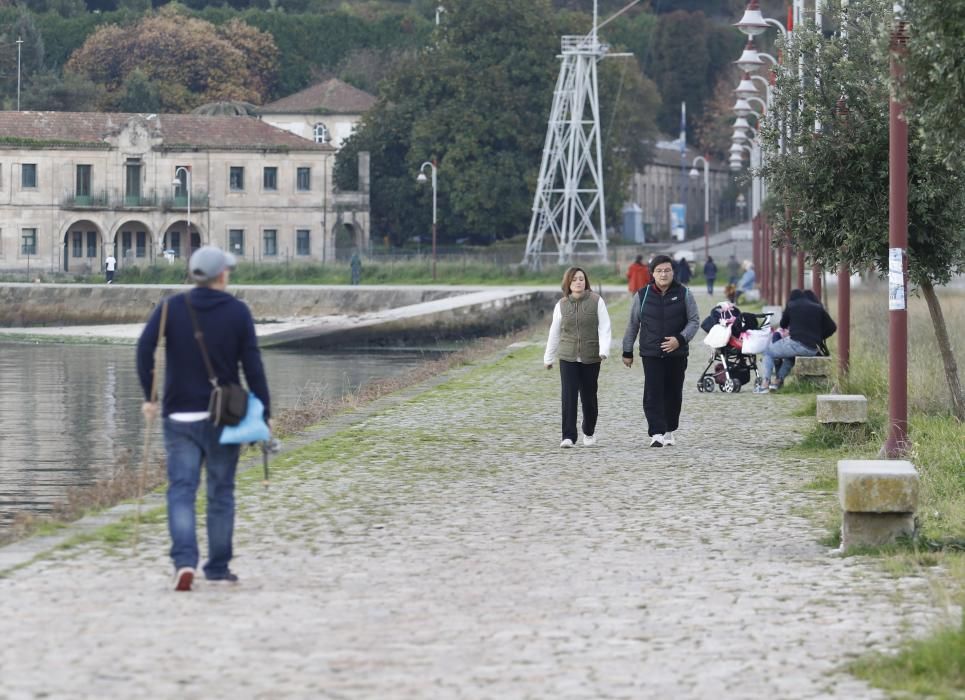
<point>189,61</point>
<point>49,91</point>
<point>31,58</point>
<point>835,183</point>
<point>936,75</point>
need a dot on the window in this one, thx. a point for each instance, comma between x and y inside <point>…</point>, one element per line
<point>126,244</point>
<point>77,244</point>
<point>271,241</point>
<point>236,241</point>
<point>236,178</point>
<point>303,242</point>
<point>175,243</point>
<point>304,180</point>
<point>28,176</point>
<point>320,133</point>
<point>83,181</point>
<point>29,241</point>
<point>181,189</point>
<point>92,244</point>
<point>270,179</point>
<point>141,238</point>
<point>132,192</point>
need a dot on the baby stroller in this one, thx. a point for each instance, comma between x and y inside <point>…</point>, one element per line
<point>735,347</point>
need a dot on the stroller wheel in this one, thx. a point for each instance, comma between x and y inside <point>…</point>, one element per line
<point>708,384</point>
<point>737,386</point>
<point>728,386</point>
<point>700,386</point>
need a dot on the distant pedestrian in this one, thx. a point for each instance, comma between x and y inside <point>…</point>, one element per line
<point>109,264</point>
<point>710,274</point>
<point>665,315</point>
<point>733,270</point>
<point>356,264</point>
<point>638,275</point>
<point>190,437</point>
<point>682,271</point>
<point>580,338</point>
<point>747,281</point>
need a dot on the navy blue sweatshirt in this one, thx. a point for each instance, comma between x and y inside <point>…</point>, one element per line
<point>809,323</point>
<point>229,334</point>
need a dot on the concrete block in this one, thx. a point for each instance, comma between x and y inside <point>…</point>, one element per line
<point>877,486</point>
<point>842,408</point>
<point>875,529</point>
<point>813,367</point>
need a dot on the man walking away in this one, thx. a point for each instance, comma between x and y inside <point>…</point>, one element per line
<point>681,270</point>
<point>733,270</point>
<point>638,275</point>
<point>710,274</point>
<point>109,264</point>
<point>190,438</point>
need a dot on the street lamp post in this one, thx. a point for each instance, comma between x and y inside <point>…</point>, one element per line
<point>186,169</point>
<point>694,174</point>
<point>434,168</point>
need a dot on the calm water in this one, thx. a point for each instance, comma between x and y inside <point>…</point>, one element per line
<point>70,413</point>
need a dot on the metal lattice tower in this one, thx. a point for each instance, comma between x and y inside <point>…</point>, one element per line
<point>569,202</point>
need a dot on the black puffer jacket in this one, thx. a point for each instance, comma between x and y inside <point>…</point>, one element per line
<point>655,316</point>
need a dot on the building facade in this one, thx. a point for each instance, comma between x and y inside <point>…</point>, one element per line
<point>661,184</point>
<point>326,112</point>
<point>76,186</point>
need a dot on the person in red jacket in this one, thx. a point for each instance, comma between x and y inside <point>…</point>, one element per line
<point>638,275</point>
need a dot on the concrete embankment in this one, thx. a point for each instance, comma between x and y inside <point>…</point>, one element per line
<point>293,316</point>
<point>71,304</point>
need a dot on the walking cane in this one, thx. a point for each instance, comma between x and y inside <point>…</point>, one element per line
<point>149,425</point>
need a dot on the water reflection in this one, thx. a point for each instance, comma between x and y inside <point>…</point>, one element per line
<point>70,413</point>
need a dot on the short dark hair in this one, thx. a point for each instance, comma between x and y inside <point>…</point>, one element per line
<point>638,259</point>
<point>795,295</point>
<point>811,296</point>
<point>568,279</point>
<point>660,260</point>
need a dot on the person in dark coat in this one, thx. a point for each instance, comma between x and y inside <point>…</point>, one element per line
<point>808,325</point>
<point>710,274</point>
<point>665,317</point>
<point>681,270</point>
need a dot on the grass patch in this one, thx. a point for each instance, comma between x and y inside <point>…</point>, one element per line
<point>933,667</point>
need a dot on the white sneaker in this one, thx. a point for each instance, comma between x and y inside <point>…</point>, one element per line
<point>589,440</point>
<point>566,443</point>
<point>668,439</point>
<point>656,441</point>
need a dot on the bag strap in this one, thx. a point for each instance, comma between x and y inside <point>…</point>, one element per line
<point>646,291</point>
<point>199,336</point>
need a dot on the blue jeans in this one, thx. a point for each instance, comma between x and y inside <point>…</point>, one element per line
<point>784,348</point>
<point>187,446</point>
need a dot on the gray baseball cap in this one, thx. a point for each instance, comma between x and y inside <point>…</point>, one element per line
<point>209,261</point>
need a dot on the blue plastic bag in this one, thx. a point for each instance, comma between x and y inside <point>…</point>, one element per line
<point>252,428</point>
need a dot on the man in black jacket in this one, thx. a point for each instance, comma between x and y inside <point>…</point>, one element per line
<point>665,315</point>
<point>809,325</point>
<point>190,438</point>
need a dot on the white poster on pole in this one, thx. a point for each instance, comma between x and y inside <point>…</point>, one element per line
<point>896,279</point>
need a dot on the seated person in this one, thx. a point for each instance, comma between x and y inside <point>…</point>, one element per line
<point>730,293</point>
<point>808,325</point>
<point>746,282</point>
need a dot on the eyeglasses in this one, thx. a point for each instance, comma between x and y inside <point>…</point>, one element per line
<point>663,272</point>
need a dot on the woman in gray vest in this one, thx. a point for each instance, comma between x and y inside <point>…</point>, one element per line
<point>666,317</point>
<point>580,339</point>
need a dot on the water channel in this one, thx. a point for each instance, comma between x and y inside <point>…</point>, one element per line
<point>69,414</point>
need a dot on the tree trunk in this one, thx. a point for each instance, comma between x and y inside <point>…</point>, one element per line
<point>945,347</point>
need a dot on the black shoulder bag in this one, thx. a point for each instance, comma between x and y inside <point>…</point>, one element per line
<point>229,402</point>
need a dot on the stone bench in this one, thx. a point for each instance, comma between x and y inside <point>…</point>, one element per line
<point>813,367</point>
<point>879,498</point>
<point>841,408</point>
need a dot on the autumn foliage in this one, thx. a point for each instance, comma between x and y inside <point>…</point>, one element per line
<point>187,62</point>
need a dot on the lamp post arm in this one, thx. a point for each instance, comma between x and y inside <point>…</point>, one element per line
<point>775,23</point>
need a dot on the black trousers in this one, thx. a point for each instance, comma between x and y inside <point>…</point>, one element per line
<point>663,388</point>
<point>579,379</point>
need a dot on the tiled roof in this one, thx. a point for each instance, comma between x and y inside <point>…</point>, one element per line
<point>329,97</point>
<point>91,129</point>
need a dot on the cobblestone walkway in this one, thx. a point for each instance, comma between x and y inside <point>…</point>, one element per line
<point>444,547</point>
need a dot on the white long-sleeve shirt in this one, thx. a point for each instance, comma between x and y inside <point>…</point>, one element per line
<point>603,326</point>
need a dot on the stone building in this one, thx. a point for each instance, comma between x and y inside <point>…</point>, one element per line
<point>75,186</point>
<point>326,112</point>
<point>659,186</point>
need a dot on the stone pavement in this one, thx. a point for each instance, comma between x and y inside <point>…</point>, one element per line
<point>444,547</point>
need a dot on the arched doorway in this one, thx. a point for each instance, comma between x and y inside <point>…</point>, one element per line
<point>176,239</point>
<point>346,238</point>
<point>133,244</point>
<point>82,247</point>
